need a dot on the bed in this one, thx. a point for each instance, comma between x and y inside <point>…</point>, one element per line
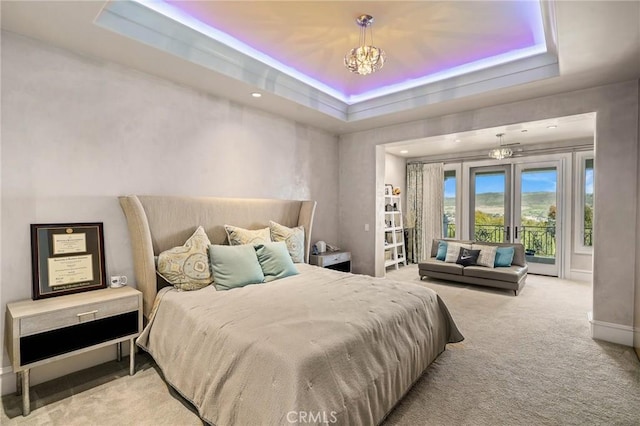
<point>320,347</point>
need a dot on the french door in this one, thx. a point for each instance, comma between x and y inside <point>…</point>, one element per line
<point>537,215</point>
<point>490,203</point>
<point>519,203</point>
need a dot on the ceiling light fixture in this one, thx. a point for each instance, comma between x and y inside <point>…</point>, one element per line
<point>501,152</point>
<point>404,151</point>
<point>366,58</point>
<point>256,94</point>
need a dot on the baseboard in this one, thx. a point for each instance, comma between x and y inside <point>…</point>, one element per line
<point>580,275</point>
<point>610,332</point>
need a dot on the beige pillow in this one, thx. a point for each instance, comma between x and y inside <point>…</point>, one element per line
<point>240,236</point>
<point>453,250</point>
<point>187,267</point>
<point>293,238</point>
<point>487,255</point>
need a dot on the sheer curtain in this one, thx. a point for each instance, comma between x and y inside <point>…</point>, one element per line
<point>425,206</point>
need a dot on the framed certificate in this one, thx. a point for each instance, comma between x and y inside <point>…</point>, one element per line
<point>67,258</point>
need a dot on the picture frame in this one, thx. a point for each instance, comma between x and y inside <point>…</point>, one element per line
<point>388,189</point>
<point>67,258</point>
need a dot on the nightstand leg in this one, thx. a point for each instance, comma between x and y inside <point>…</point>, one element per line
<point>19,383</point>
<point>132,357</point>
<point>119,351</point>
<point>26,405</point>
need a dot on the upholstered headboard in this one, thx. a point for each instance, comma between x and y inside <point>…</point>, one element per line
<point>158,223</point>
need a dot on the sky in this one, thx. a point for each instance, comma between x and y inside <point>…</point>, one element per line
<point>588,181</point>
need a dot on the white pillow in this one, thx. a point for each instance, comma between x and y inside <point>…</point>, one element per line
<point>487,255</point>
<point>240,236</point>
<point>453,250</point>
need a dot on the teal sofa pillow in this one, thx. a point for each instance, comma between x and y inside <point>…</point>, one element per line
<point>275,260</point>
<point>234,266</point>
<point>504,256</point>
<point>442,250</point>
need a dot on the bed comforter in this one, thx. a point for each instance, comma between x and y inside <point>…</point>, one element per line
<point>321,347</point>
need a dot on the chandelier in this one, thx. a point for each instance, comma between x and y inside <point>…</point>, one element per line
<point>366,58</point>
<point>501,152</point>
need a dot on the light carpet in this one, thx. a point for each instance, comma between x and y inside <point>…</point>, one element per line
<point>525,360</point>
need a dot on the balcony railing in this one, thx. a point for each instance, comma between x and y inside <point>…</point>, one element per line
<point>588,237</point>
<point>538,240</point>
<point>450,230</point>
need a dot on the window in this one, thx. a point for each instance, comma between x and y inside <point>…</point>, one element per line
<point>587,187</point>
<point>584,202</point>
<point>451,201</point>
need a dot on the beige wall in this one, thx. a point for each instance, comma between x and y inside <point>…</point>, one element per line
<point>636,334</point>
<point>76,133</point>
<point>395,173</point>
<point>616,150</point>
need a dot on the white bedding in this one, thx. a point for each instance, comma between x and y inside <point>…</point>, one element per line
<point>324,346</point>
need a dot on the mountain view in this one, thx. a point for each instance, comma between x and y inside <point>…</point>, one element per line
<point>535,204</point>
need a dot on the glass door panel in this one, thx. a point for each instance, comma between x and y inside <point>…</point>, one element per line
<point>535,215</point>
<point>490,204</point>
<point>449,220</point>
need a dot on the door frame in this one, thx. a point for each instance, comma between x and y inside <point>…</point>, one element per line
<point>518,168</point>
<point>564,198</point>
<point>508,188</point>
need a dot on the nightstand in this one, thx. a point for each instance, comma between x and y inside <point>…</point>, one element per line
<point>338,260</point>
<point>42,331</point>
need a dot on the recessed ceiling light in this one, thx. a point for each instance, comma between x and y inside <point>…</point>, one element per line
<point>457,140</point>
<point>256,95</point>
<point>553,126</point>
<point>404,151</point>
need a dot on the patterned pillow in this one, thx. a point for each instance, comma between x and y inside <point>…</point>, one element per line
<point>293,237</point>
<point>467,257</point>
<point>240,236</point>
<point>487,255</point>
<point>453,250</point>
<point>187,267</point>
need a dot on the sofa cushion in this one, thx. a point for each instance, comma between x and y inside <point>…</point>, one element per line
<point>467,257</point>
<point>442,250</point>
<point>453,250</point>
<point>435,243</point>
<point>434,265</point>
<point>511,274</point>
<point>487,255</point>
<point>518,255</point>
<point>504,256</point>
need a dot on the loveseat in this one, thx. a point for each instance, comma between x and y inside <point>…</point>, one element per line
<point>510,277</point>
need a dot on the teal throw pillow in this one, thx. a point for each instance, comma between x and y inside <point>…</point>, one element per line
<point>442,250</point>
<point>504,256</point>
<point>234,266</point>
<point>275,260</point>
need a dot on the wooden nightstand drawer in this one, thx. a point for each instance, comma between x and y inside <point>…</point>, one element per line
<point>76,315</point>
<point>339,260</point>
<point>333,258</point>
